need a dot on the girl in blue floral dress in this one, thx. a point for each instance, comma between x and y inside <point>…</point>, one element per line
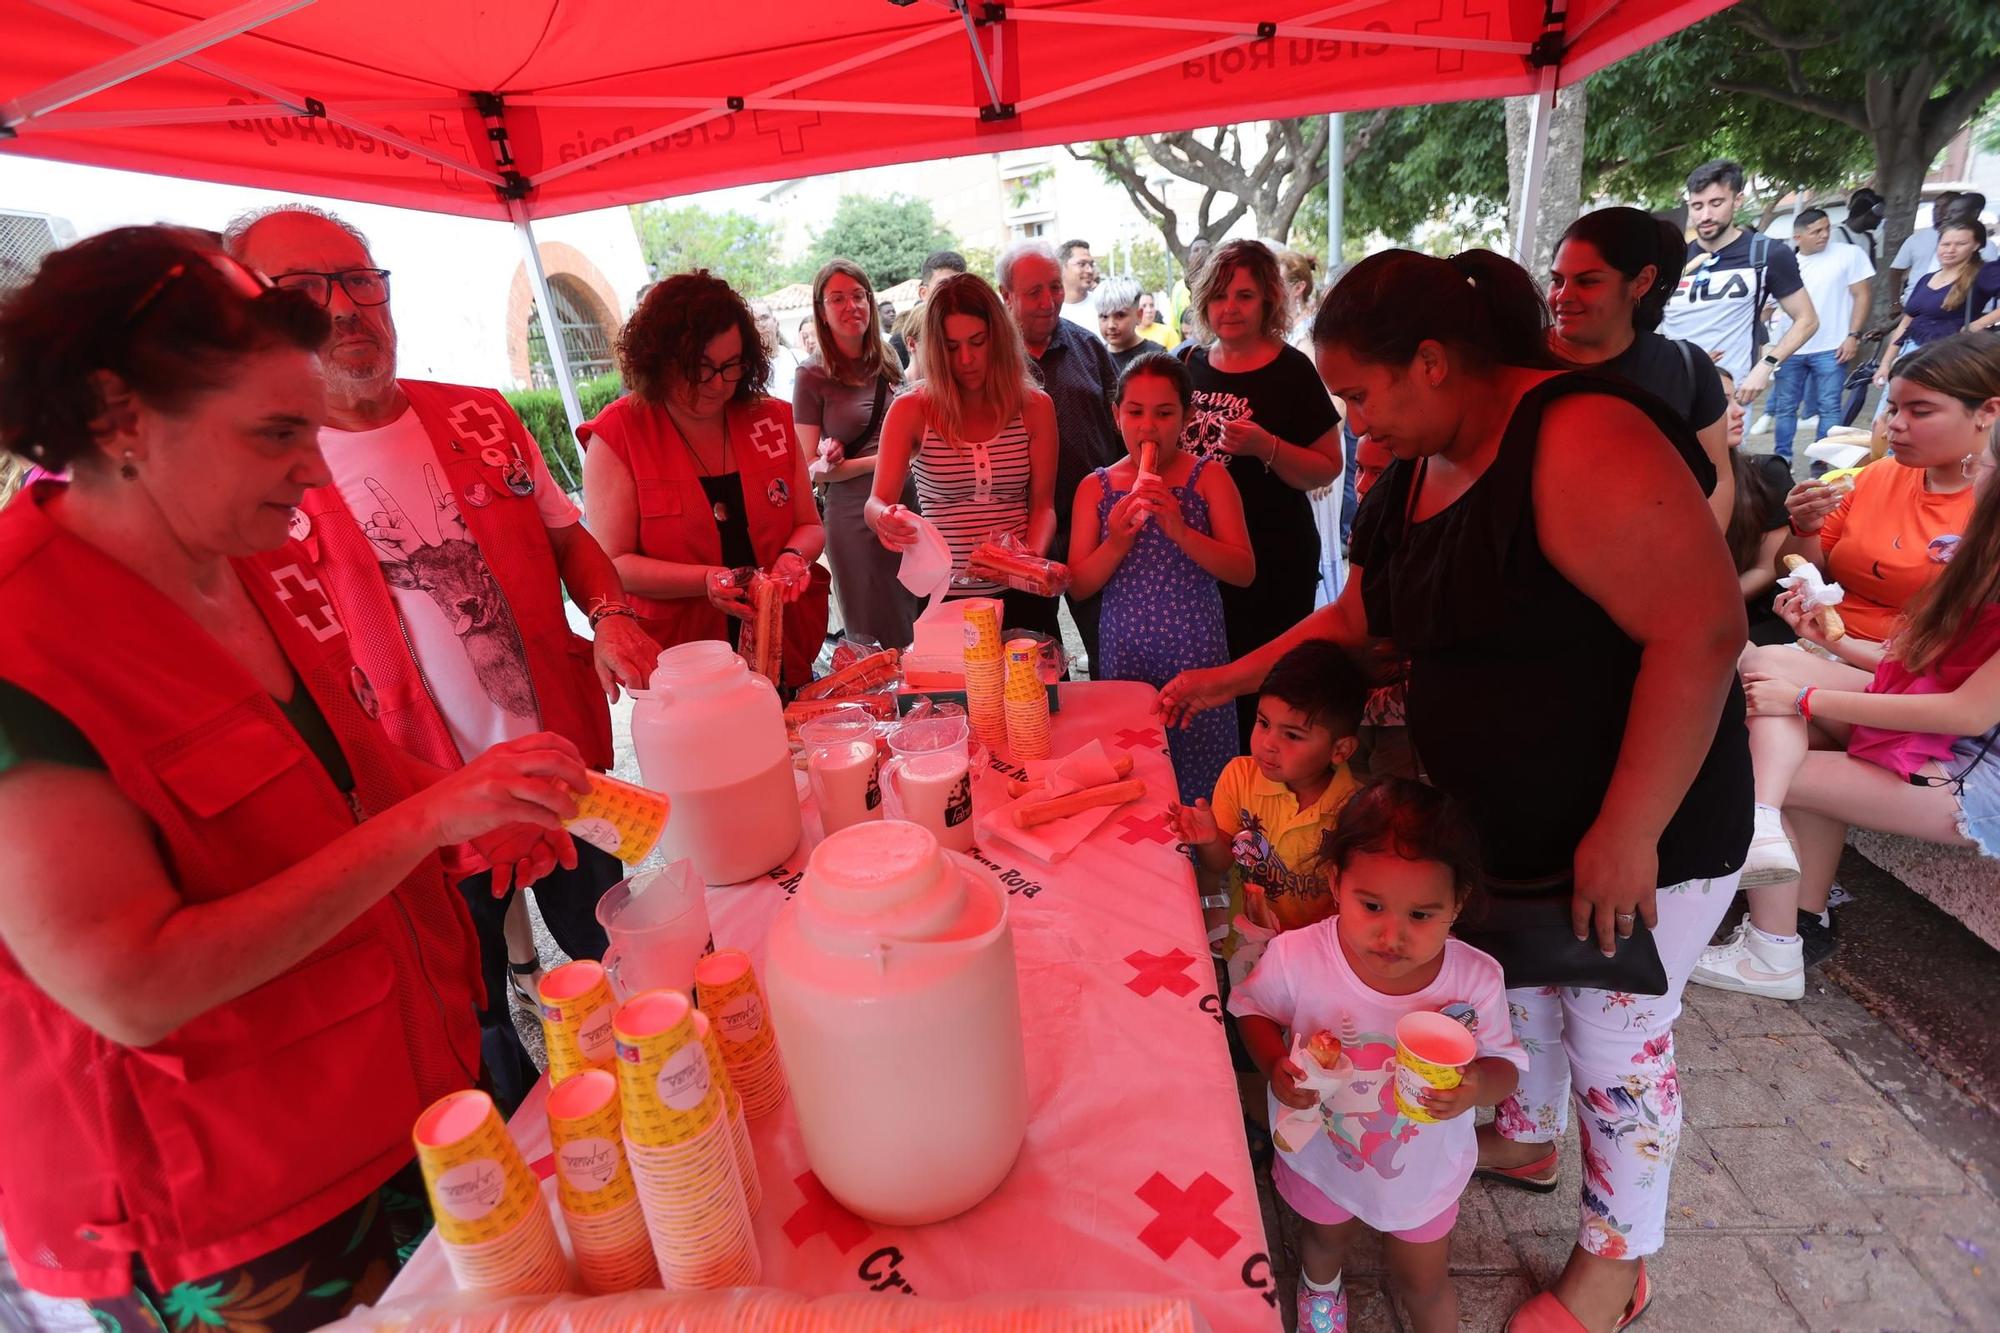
<point>1155,539</point>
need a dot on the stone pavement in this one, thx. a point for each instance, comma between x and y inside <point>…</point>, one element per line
<point>1804,1198</point>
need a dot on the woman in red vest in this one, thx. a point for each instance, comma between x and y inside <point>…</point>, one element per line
<point>233,972</point>
<point>699,473</point>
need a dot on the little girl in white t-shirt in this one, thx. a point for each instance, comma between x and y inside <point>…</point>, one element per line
<point>1402,858</point>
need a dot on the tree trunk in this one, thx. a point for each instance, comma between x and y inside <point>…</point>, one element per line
<point>1562,177</point>
<point>1900,168</point>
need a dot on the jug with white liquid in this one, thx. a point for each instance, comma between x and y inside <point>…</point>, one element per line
<point>712,737</point>
<point>893,994</point>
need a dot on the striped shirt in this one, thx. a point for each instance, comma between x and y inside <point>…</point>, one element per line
<point>973,489</point>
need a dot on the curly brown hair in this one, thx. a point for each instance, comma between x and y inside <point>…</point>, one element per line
<point>661,346</point>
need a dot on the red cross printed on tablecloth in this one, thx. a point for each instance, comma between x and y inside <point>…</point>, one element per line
<point>478,425</point>
<point>1186,1214</point>
<point>544,1166</point>
<point>1160,969</point>
<point>1149,828</point>
<point>822,1212</point>
<point>1146,736</point>
<point>300,594</point>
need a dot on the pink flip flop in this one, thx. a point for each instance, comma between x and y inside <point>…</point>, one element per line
<point>1543,1313</point>
<point>1538,1175</point>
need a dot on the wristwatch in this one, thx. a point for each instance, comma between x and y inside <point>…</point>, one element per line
<point>1214,900</point>
<point>1770,360</point>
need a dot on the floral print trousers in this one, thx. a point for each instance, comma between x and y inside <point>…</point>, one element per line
<point>1613,1055</point>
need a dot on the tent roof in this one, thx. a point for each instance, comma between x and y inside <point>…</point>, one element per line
<point>600,103</point>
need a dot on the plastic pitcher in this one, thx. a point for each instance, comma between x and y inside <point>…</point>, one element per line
<point>657,922</point>
<point>930,774</point>
<point>843,766</point>
<point>893,994</point>
<point>711,736</point>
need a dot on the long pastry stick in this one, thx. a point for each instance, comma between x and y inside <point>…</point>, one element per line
<point>1019,787</point>
<point>1076,802</point>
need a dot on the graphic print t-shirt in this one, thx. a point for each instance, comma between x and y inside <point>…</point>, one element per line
<point>460,627</point>
<point>1715,305</point>
<point>1392,1172</point>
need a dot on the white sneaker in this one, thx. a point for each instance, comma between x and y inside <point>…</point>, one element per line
<point>1771,859</point>
<point>1749,963</point>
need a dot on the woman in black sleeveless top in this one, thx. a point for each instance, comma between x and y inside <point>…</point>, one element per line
<point>1542,554</point>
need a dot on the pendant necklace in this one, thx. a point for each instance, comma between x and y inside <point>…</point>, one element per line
<point>719,508</point>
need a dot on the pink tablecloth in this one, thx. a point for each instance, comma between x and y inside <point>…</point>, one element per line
<point>1134,1176</point>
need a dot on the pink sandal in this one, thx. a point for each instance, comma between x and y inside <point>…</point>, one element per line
<point>1538,1175</point>
<point>1543,1313</point>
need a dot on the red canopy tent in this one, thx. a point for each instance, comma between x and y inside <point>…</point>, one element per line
<point>518,109</point>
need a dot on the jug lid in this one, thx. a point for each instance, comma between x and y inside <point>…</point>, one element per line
<point>878,883</point>
<point>702,662</point>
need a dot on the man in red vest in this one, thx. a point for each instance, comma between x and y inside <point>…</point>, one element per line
<point>447,548</point>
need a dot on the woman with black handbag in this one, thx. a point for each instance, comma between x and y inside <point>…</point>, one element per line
<point>1541,552</point>
<point>839,402</point>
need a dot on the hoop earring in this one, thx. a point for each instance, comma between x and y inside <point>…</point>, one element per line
<point>126,469</point>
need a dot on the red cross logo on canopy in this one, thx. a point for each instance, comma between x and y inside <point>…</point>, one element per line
<point>1186,1214</point>
<point>478,425</point>
<point>1453,14</point>
<point>789,127</point>
<point>1156,970</point>
<point>300,594</point>
<point>821,1212</point>
<point>769,437</point>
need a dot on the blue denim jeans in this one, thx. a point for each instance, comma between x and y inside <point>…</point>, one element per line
<point>1807,384</point>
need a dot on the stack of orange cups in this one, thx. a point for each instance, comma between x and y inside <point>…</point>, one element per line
<point>577,1005</point>
<point>985,672</point>
<point>494,1223</point>
<point>739,1128</point>
<point>1027,702</point>
<point>607,1229</point>
<point>677,1139</point>
<point>730,996</point>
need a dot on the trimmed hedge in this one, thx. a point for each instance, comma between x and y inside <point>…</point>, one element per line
<point>541,411</point>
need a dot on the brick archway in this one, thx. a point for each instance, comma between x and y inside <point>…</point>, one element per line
<point>562,260</point>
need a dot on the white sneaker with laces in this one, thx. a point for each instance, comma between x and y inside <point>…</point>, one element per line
<point>1748,963</point>
<point>1771,859</point>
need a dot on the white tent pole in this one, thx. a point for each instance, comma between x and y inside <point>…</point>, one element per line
<point>1540,112</point>
<point>144,58</point>
<point>1336,189</point>
<point>545,310</point>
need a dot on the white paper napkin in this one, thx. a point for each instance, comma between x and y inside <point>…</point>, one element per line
<point>1089,766</point>
<point>926,567</point>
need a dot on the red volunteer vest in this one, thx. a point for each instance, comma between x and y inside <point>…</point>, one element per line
<point>268,1115</point>
<point>475,435</point>
<point>677,524</point>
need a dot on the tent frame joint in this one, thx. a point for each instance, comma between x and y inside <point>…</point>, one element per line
<point>1548,50</point>
<point>1266,31</point>
<point>515,186</point>
<point>988,13</point>
<point>733,103</point>
<point>996,111</point>
<point>314,109</point>
<point>490,106</point>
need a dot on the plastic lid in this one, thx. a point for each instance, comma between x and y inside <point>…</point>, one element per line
<point>878,881</point>
<point>701,662</point>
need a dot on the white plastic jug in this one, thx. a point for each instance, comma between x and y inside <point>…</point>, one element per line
<point>894,998</point>
<point>712,737</point>
<point>657,925</point>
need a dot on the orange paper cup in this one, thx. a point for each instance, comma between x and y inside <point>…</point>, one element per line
<point>668,1090</point>
<point>1431,1052</point>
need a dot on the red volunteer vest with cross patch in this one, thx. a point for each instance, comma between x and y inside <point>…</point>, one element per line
<point>677,524</point>
<point>270,1114</point>
<point>468,429</point>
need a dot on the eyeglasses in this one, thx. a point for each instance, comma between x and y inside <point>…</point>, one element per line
<point>841,300</point>
<point>729,372</point>
<point>246,282</point>
<point>364,286</point>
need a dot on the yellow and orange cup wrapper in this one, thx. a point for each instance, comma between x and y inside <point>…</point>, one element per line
<point>727,986</point>
<point>619,817</point>
<point>1432,1051</point>
<point>592,1175</point>
<point>577,1006</point>
<point>982,630</point>
<point>479,1187</point>
<point>668,1091</point>
<point>739,1133</point>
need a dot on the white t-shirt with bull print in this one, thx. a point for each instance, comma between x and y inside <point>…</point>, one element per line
<point>461,630</point>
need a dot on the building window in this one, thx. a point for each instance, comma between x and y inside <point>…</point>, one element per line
<point>586,329</point>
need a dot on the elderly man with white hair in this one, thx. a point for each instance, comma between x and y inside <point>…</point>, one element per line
<point>1077,372</point>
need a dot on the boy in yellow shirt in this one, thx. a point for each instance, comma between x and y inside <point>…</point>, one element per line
<point>1257,842</point>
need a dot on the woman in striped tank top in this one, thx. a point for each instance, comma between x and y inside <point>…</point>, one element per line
<point>979,438</point>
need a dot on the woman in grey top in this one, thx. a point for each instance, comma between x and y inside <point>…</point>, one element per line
<point>838,404</point>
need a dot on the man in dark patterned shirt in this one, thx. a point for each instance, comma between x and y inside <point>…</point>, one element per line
<point>1079,376</point>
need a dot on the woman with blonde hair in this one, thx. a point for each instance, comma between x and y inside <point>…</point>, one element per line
<point>839,402</point>
<point>980,440</point>
<point>1949,300</point>
<point>1260,408</point>
<point>1299,274</point>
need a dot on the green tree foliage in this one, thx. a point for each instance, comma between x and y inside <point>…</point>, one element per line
<point>1146,262</point>
<point>734,246</point>
<point>541,411</point>
<point>887,237</point>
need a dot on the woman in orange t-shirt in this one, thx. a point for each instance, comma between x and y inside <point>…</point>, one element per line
<point>1883,541</point>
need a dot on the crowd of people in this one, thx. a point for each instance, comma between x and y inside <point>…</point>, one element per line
<point>1558,705</point>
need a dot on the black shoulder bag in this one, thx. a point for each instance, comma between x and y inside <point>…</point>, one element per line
<point>1525,924</point>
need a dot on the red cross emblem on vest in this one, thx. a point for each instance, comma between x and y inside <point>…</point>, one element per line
<point>300,593</point>
<point>478,425</point>
<point>769,437</point>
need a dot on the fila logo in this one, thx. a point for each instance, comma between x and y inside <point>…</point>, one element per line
<point>1735,286</point>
